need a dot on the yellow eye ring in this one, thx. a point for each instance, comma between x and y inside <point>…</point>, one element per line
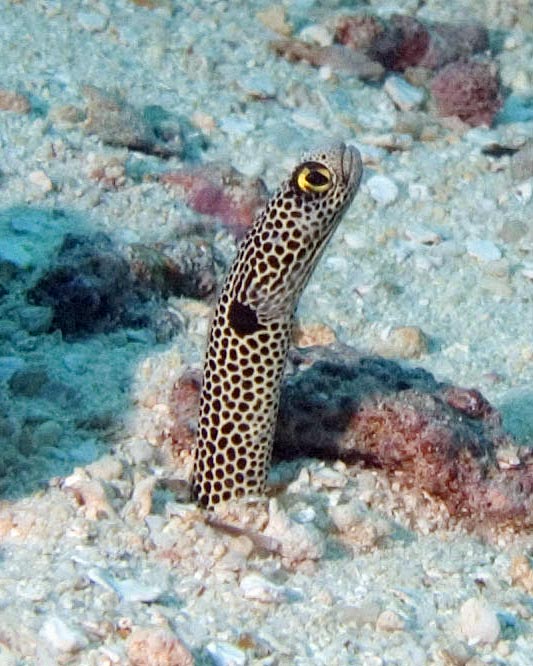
<point>313,177</point>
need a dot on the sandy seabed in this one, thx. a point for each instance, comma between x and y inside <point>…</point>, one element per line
<point>101,559</point>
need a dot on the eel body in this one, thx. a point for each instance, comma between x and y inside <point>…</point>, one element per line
<point>252,324</point>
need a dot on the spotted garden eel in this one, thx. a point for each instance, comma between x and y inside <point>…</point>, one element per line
<point>252,324</point>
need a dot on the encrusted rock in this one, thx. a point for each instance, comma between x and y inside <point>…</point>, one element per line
<point>157,647</point>
<point>407,42</point>
<point>468,90</point>
<point>93,286</point>
<point>443,441</point>
<point>433,438</point>
<point>118,123</point>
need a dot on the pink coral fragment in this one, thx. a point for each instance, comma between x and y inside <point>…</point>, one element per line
<point>222,193</point>
<point>469,90</point>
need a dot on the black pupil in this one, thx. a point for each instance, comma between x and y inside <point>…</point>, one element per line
<point>316,178</point>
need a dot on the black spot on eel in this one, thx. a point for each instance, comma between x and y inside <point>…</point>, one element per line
<point>252,325</point>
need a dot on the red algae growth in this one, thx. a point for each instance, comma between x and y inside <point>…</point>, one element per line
<point>432,438</point>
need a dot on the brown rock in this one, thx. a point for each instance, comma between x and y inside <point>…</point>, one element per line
<point>404,342</point>
<point>12,101</point>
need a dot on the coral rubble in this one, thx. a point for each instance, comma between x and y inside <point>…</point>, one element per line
<point>220,191</point>
<point>469,90</point>
<point>95,287</point>
<point>433,438</point>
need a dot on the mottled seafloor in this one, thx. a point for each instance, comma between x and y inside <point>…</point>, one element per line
<point>102,561</point>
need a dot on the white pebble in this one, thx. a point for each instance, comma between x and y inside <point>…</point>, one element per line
<point>309,120</point>
<point>236,126</point>
<point>134,591</point>
<point>41,180</point>
<point>59,636</point>
<point>483,250</point>
<point>316,34</point>
<point>423,235</point>
<point>383,190</point>
<point>326,477</point>
<point>305,515</point>
<point>298,542</point>
<point>257,587</point>
<point>418,192</point>
<point>524,191</point>
<point>355,240</point>
<point>390,621</point>
<point>225,654</point>
<point>478,622</point>
<point>403,94</point>
<point>92,21</point>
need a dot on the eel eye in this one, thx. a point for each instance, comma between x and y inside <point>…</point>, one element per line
<point>313,177</point>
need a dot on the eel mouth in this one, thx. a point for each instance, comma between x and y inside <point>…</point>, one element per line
<point>347,162</point>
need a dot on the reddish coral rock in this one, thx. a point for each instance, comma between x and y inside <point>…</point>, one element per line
<point>469,90</point>
<point>434,438</point>
<point>221,192</point>
<point>404,41</point>
<point>358,31</point>
<point>402,44</point>
<point>184,403</point>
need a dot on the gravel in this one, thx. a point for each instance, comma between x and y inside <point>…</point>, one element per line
<point>103,560</point>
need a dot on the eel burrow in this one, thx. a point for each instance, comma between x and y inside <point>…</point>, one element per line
<point>252,324</point>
